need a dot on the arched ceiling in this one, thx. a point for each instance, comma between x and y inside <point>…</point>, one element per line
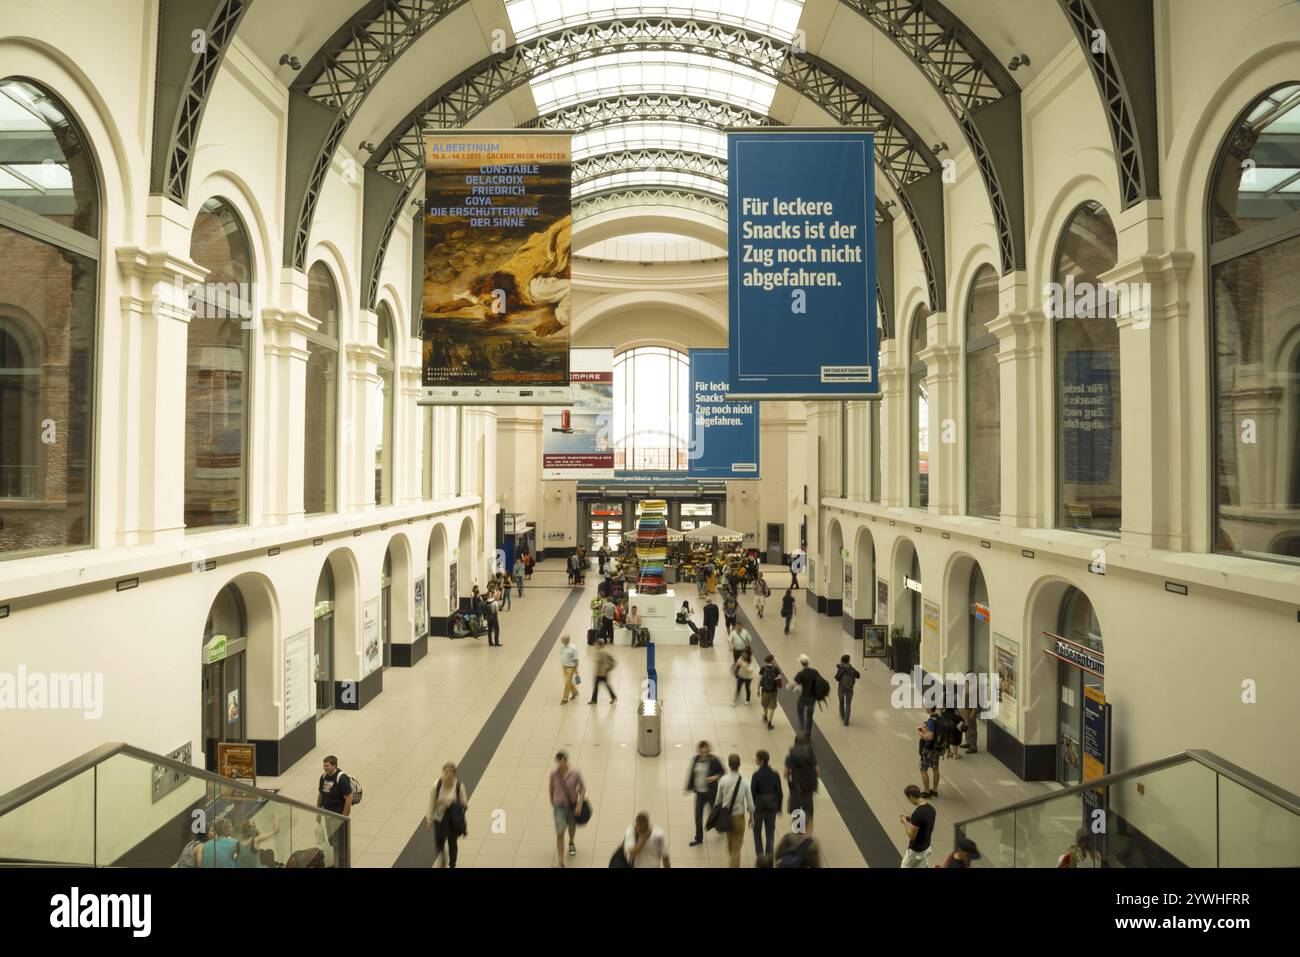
<point>649,88</point>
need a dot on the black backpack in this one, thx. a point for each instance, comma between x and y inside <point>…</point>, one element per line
<point>796,853</point>
<point>821,687</point>
<point>943,733</point>
<point>768,681</point>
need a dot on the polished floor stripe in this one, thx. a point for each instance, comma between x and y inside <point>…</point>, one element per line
<point>420,849</point>
<point>868,833</point>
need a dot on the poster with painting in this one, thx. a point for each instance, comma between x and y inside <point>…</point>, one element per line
<point>232,707</point>
<point>370,651</point>
<point>931,659</point>
<point>453,597</point>
<point>421,615</point>
<point>1006,653</point>
<point>848,589</point>
<point>882,602</point>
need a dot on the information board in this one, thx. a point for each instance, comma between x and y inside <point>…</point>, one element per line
<point>298,700</point>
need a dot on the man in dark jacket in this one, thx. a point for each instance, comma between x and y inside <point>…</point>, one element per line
<point>702,781</point>
<point>801,774</point>
<point>806,679</point>
<point>845,677</point>
<point>710,621</point>
<point>765,788</point>
<point>493,622</point>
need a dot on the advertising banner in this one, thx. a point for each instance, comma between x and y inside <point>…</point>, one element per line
<point>882,602</point>
<point>298,687</point>
<point>370,651</point>
<point>931,659</point>
<point>498,223</point>
<point>801,264</point>
<point>1006,652</point>
<point>577,441</point>
<point>1089,400</point>
<point>724,431</point>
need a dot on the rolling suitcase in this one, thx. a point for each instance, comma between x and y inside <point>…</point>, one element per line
<point>591,636</point>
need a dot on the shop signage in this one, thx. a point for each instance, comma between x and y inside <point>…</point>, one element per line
<point>981,612</point>
<point>1095,721</point>
<point>1093,662</point>
<point>512,523</point>
<point>215,649</point>
<point>801,264</point>
<point>912,583</point>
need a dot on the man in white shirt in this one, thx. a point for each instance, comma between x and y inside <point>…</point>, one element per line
<point>739,639</point>
<point>569,661</point>
<point>645,846</point>
<point>734,794</point>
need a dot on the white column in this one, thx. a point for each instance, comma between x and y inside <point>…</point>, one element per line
<point>1026,465</point>
<point>284,399</point>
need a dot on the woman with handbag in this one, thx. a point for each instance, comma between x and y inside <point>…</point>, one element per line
<point>448,801</point>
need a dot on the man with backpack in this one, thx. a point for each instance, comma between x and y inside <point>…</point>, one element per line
<point>933,742</point>
<point>812,689</point>
<point>798,850</point>
<point>769,683</point>
<point>802,775</point>
<point>845,677</point>
<point>730,608</point>
<point>493,622</point>
<point>335,792</point>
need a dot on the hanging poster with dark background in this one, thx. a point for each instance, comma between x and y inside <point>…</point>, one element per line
<point>498,222</point>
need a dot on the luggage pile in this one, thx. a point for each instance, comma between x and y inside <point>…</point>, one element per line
<point>652,547</point>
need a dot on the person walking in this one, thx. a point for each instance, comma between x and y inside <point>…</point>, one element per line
<point>569,662</point>
<point>529,562</point>
<point>602,664</point>
<point>796,560</point>
<point>518,572</point>
<point>806,679</point>
<point>730,608</point>
<point>919,826</point>
<point>504,593</point>
<point>845,678</point>
<point>769,683</point>
<point>931,745</point>
<point>951,719</point>
<point>738,639</point>
<point>801,776</point>
<point>568,794</point>
<point>745,668</point>
<point>787,609</point>
<point>735,796</point>
<point>602,557</point>
<point>493,622</point>
<point>765,789</point>
<point>448,802</point>
<point>761,593</point>
<point>710,622</point>
<point>701,579</point>
<point>644,845</point>
<point>702,781</point>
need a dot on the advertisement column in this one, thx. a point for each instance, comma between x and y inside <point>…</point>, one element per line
<point>498,219</point>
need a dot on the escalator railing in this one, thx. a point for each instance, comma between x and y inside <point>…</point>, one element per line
<point>119,806</point>
<point>1192,809</point>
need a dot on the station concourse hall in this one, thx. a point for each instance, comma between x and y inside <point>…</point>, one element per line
<point>726,434</point>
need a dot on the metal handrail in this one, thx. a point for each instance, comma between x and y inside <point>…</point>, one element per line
<point>51,779</point>
<point>1251,782</point>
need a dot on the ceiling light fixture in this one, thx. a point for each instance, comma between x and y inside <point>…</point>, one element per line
<point>1018,61</point>
<point>290,61</point>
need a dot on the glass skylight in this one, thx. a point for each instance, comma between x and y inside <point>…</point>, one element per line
<point>777,17</point>
<point>639,136</point>
<point>643,179</point>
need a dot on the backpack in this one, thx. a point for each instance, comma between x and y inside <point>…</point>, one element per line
<point>803,775</point>
<point>356,788</point>
<point>845,676</point>
<point>821,687</point>
<point>768,681</point>
<point>943,733</point>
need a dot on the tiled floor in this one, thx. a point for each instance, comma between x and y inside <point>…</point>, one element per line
<point>432,713</point>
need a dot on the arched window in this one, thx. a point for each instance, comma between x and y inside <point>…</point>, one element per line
<point>652,420</point>
<point>1087,374</point>
<point>1077,624</point>
<point>980,647</point>
<point>383,450</point>
<point>219,349</point>
<point>320,448</point>
<point>1254,258</point>
<point>323,641</point>
<point>920,404</point>
<point>49,265</point>
<point>983,408</point>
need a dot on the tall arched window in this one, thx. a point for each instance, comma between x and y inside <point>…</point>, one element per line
<point>49,266</point>
<point>1254,257</point>
<point>1087,374</point>
<point>383,450</point>
<point>652,409</point>
<point>983,408</point>
<point>320,448</point>
<point>920,405</point>
<point>217,369</point>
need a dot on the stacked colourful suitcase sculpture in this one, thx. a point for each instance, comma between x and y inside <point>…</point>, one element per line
<point>652,547</point>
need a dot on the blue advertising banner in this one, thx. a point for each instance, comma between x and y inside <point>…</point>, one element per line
<point>724,430</point>
<point>801,263</point>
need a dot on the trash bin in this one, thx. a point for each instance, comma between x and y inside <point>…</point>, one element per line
<point>648,723</point>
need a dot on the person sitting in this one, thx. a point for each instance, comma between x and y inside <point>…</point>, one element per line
<point>634,626</point>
